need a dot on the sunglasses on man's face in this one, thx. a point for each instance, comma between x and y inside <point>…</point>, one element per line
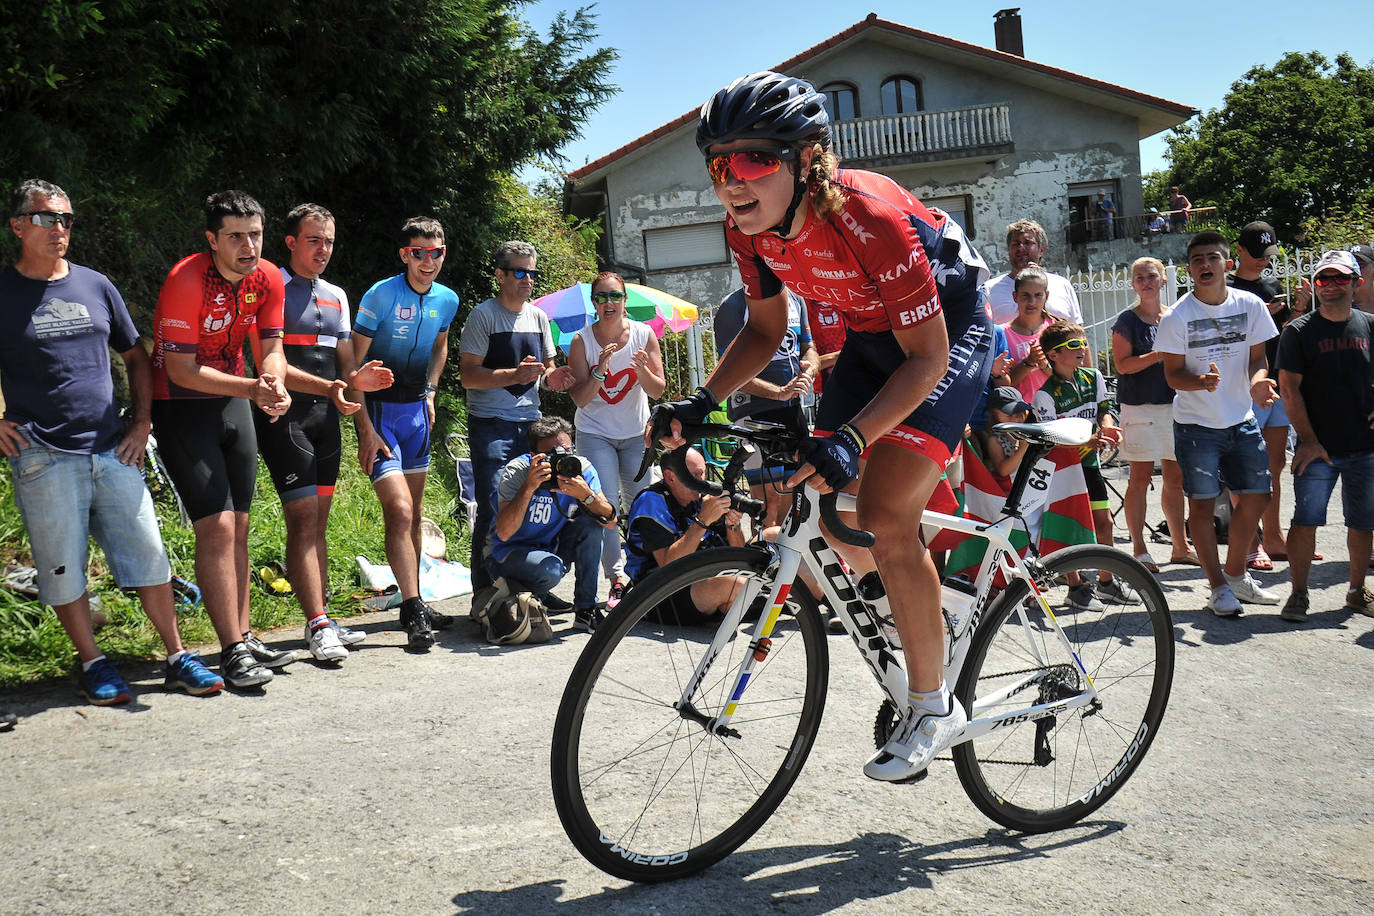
<point>520,273</point>
<point>1076,343</point>
<point>601,297</point>
<point>747,164</point>
<point>421,254</point>
<point>49,218</point>
<point>1333,280</point>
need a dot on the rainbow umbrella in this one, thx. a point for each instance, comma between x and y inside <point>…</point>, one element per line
<point>571,309</point>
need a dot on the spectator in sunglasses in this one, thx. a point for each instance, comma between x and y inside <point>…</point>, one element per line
<point>1213,345</point>
<point>76,468</point>
<point>403,321</point>
<point>506,354</point>
<point>915,359</point>
<point>1326,378</point>
<point>617,366</point>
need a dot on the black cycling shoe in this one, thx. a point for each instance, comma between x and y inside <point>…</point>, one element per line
<point>415,621</point>
<point>438,620</point>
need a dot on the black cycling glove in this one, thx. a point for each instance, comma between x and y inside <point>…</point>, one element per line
<point>689,410</point>
<point>835,457</point>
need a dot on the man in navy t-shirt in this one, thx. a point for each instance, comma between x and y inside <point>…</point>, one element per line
<point>545,523</point>
<point>75,465</point>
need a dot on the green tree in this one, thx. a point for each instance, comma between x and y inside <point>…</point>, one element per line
<point>1290,142</point>
<point>378,109</point>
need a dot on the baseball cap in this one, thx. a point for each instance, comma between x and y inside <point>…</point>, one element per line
<point>1342,261</point>
<point>1259,239</point>
<point>1007,399</point>
<point>1363,253</point>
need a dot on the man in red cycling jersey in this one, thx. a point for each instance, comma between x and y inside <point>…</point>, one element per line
<point>915,359</point>
<point>202,402</point>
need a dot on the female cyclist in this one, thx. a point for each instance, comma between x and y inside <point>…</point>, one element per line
<point>905,381</point>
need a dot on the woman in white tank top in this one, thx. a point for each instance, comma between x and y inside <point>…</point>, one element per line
<point>617,366</point>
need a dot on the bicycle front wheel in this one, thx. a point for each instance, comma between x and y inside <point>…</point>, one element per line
<point>1045,774</point>
<point>649,789</point>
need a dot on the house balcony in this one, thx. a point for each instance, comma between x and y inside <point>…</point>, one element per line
<point>925,136</point>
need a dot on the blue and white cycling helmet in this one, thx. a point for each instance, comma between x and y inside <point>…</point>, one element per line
<point>764,106</point>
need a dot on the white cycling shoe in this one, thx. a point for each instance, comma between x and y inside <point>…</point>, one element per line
<point>914,743</point>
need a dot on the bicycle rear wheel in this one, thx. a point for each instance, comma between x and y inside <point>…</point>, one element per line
<point>648,792</point>
<point>1048,773</point>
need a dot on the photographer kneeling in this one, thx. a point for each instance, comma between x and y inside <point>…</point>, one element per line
<point>549,515</point>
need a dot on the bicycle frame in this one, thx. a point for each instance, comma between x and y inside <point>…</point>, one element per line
<point>801,544</point>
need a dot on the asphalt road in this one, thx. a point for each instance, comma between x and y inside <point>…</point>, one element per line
<point>419,784</point>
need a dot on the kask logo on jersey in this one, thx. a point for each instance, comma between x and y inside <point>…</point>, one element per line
<point>218,319</point>
<point>835,274</point>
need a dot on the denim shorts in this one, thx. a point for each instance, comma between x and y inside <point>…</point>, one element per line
<point>1312,491</point>
<point>1234,456</point>
<point>1273,415</point>
<point>65,499</point>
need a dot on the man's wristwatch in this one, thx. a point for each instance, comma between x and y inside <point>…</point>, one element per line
<point>591,498</point>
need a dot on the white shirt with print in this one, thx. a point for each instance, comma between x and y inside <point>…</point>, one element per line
<point>1221,334</point>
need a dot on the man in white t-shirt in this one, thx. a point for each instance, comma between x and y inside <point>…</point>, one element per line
<point>1026,245</point>
<point>1214,359</point>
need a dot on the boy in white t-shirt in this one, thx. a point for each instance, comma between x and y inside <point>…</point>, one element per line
<point>1213,342</point>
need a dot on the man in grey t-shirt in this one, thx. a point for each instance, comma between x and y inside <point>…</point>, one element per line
<point>506,351</point>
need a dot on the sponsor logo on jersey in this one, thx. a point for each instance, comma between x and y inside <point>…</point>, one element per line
<point>250,298</point>
<point>855,227</point>
<point>823,253</point>
<point>434,313</point>
<point>828,318</point>
<point>908,317</point>
<point>769,244</point>
<point>217,320</point>
<point>176,323</point>
<point>775,265</point>
<point>405,312</point>
<point>835,274</point>
<point>219,299</point>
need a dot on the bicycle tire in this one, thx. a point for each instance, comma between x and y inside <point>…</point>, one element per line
<point>1044,775</point>
<point>644,791</point>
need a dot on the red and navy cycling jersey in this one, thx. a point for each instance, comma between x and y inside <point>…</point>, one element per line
<point>316,321</point>
<point>885,260</point>
<point>200,312</point>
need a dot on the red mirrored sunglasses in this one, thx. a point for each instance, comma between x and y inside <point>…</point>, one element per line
<point>748,164</point>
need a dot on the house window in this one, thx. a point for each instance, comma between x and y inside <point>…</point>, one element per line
<point>701,245</point>
<point>901,95</point>
<point>841,101</point>
<point>1085,223</point>
<point>959,208</point>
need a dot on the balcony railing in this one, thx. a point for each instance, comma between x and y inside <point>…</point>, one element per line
<point>926,135</point>
<point>1138,226</point>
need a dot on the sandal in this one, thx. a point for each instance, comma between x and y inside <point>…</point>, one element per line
<point>1188,559</point>
<point>1144,559</point>
<point>1259,561</point>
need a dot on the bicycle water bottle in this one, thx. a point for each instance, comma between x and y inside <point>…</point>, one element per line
<point>872,590</point>
<point>957,598</point>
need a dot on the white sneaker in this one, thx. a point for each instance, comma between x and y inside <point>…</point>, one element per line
<point>1248,591</point>
<point>346,636</point>
<point>917,739</point>
<point>1224,603</point>
<point>325,644</point>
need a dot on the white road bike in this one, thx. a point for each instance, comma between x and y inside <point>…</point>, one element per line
<point>674,742</point>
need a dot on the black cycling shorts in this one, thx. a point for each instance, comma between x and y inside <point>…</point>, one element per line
<point>936,427</point>
<point>210,451</point>
<point>302,448</point>
<point>1097,488</point>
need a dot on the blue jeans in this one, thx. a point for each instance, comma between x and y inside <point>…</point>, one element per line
<point>616,462</point>
<point>1234,454</point>
<point>1312,491</point>
<point>64,498</point>
<point>579,547</point>
<point>491,442</point>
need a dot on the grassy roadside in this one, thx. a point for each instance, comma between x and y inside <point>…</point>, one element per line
<point>35,648</point>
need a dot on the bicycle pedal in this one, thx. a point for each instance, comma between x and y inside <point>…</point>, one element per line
<point>915,777</point>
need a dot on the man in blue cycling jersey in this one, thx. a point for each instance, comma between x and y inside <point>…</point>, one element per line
<point>403,321</point>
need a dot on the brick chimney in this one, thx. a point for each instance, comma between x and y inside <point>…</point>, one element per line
<point>1006,25</point>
